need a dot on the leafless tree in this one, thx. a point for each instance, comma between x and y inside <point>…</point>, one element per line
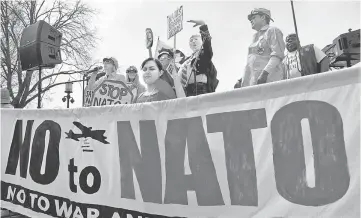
<point>72,18</point>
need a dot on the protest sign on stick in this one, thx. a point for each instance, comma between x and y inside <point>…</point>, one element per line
<point>149,40</point>
<point>175,23</point>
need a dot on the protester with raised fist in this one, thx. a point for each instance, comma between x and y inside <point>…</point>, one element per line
<point>198,73</point>
<point>157,88</point>
<point>266,51</point>
<point>110,68</point>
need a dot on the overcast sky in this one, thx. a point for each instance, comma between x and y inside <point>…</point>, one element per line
<point>121,26</point>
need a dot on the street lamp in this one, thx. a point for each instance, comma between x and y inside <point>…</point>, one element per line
<point>68,90</point>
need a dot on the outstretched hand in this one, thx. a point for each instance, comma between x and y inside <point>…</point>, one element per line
<point>196,22</point>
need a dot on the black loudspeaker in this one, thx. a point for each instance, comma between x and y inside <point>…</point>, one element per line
<point>40,46</point>
<point>348,43</point>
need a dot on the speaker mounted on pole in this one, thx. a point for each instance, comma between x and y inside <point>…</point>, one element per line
<point>40,46</point>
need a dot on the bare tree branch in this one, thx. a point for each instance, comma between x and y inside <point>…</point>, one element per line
<point>37,12</point>
<point>51,75</point>
<point>73,19</point>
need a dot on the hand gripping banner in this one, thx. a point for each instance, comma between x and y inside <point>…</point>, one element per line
<point>285,149</point>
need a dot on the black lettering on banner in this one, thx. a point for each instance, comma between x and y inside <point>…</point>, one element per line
<point>117,93</point>
<point>96,180</point>
<point>332,176</point>
<point>203,179</point>
<point>123,92</point>
<point>111,87</point>
<point>241,170</point>
<point>110,101</point>
<point>62,207</point>
<point>146,164</point>
<point>72,170</point>
<point>96,101</point>
<point>37,152</point>
<point>88,97</point>
<point>103,90</point>
<point>20,149</point>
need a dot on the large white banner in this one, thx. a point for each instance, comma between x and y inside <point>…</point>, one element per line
<point>286,149</point>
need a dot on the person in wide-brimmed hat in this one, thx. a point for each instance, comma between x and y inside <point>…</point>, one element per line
<point>266,51</point>
<point>110,68</point>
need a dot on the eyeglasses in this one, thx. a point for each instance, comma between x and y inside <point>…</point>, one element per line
<point>164,58</point>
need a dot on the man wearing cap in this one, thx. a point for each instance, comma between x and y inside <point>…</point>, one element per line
<point>110,68</point>
<point>266,52</point>
<point>305,60</point>
<point>165,57</point>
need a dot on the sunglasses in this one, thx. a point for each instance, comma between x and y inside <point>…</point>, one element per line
<point>109,61</point>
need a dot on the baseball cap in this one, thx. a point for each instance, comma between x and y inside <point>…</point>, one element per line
<point>111,60</point>
<point>165,51</point>
<point>260,11</point>
<point>5,96</point>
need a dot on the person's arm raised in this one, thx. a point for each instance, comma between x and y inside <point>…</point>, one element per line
<point>207,52</point>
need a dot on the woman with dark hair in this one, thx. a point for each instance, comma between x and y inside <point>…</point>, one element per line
<point>158,89</point>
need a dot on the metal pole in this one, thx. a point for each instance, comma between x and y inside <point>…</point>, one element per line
<point>294,19</point>
<point>67,100</point>
<point>83,90</point>
<point>175,38</point>
<point>298,38</point>
<point>39,88</point>
<point>150,52</point>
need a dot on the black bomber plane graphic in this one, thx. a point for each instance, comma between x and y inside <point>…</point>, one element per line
<point>86,132</point>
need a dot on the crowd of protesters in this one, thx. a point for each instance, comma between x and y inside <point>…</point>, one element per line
<point>196,75</point>
<point>193,75</point>
<point>173,75</point>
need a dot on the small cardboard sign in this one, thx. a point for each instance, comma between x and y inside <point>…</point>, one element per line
<point>171,69</point>
<point>111,92</point>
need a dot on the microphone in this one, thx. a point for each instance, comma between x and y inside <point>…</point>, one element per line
<point>93,70</point>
